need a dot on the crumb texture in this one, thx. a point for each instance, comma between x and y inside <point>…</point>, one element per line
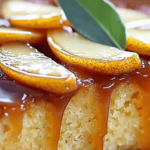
<point>36,130</point>
<point>79,124</point>
<point>5,134</point>
<point>124,121</point>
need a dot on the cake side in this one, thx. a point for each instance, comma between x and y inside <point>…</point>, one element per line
<point>124,119</point>
<point>37,129</point>
<point>36,132</point>
<point>80,123</point>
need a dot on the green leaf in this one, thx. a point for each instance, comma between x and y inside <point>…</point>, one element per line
<point>96,20</point>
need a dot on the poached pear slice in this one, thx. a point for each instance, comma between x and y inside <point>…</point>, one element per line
<point>133,18</point>
<point>139,41</point>
<point>26,65</point>
<point>32,15</point>
<point>141,35</point>
<point>74,49</point>
<point>22,35</point>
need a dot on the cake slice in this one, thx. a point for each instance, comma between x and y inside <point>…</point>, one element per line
<point>105,112</point>
<point>81,123</point>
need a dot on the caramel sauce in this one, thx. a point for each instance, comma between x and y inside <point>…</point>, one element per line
<point>16,99</point>
<point>142,78</point>
<point>105,86</point>
<point>12,106</point>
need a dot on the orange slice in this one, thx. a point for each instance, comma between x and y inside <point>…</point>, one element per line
<point>74,49</point>
<point>138,41</point>
<point>22,35</point>
<point>30,15</point>
<point>26,65</point>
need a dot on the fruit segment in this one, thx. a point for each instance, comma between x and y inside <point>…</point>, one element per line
<point>138,36</point>
<point>21,35</point>
<point>75,49</point>
<point>31,15</point>
<point>26,65</point>
<point>139,41</point>
<point>133,18</point>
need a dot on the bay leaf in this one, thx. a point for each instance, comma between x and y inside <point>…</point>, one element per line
<point>96,20</point>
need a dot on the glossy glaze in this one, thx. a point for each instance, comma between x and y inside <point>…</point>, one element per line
<point>15,99</point>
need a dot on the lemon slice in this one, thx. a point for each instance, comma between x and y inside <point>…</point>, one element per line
<point>26,65</point>
<point>75,49</point>
<point>22,35</point>
<point>31,15</point>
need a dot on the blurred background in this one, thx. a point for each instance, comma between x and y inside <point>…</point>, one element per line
<point>142,5</point>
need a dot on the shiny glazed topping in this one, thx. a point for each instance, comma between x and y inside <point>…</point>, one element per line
<point>15,99</point>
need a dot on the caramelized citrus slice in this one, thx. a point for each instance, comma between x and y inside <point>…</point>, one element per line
<point>139,41</point>
<point>133,18</point>
<point>31,15</point>
<point>75,49</point>
<point>22,35</point>
<point>26,65</point>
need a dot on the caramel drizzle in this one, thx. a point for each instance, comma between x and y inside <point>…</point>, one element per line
<point>26,98</point>
<point>105,86</point>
